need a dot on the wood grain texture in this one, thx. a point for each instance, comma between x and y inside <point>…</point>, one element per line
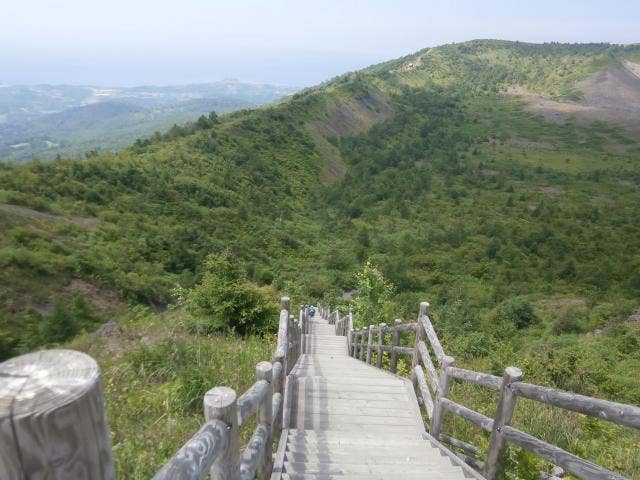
<point>395,342</point>
<point>264,372</point>
<point>432,336</point>
<point>619,413</point>
<point>428,364</point>
<point>250,400</point>
<point>504,413</point>
<point>570,462</point>
<point>476,418</point>
<point>220,404</point>
<point>253,453</point>
<point>194,460</point>
<point>467,447</point>
<point>52,419</point>
<point>382,330</point>
<point>484,379</point>
<point>424,390</point>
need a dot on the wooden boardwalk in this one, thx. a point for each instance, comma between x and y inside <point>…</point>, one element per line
<point>350,420</point>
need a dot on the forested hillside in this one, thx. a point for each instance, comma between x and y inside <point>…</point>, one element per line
<point>521,229</point>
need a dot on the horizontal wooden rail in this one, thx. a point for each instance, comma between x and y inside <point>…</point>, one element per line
<point>484,379</point>
<point>474,417</point>
<point>428,364</point>
<point>556,455</point>
<point>425,322</point>
<point>618,413</point>
<point>424,390</point>
<point>250,400</point>
<point>254,452</point>
<point>194,459</point>
<point>467,447</point>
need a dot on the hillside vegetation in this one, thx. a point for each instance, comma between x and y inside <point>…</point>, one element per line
<point>522,233</point>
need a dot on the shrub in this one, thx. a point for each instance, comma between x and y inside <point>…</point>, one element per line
<point>225,299</point>
<point>516,311</point>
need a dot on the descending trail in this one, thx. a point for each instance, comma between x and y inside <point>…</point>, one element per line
<point>350,420</point>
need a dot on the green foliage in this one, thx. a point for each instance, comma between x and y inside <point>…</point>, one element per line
<point>516,311</point>
<point>373,294</point>
<point>225,299</point>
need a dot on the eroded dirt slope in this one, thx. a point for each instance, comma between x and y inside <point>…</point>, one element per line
<point>611,95</point>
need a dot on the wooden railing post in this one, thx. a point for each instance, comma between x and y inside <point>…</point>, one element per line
<point>220,403</point>
<point>415,358</point>
<point>370,345</point>
<point>443,391</point>
<point>52,418</point>
<point>504,413</point>
<point>363,347</point>
<point>395,335</point>
<point>278,378</point>
<point>381,334</point>
<point>264,371</point>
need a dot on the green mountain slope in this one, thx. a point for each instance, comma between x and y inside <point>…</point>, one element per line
<point>520,226</point>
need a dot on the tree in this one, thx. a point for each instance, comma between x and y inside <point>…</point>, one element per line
<point>374,291</point>
<point>226,299</point>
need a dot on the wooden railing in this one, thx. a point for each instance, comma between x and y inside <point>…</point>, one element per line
<point>432,372</point>
<point>215,448</point>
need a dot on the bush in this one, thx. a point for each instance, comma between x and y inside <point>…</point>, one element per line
<point>566,322</point>
<point>225,299</point>
<point>516,311</point>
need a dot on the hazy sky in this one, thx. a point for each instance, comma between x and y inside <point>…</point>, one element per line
<point>118,42</point>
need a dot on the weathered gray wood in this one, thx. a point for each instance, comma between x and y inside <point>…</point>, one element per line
<point>474,417</point>
<point>52,418</point>
<point>441,394</point>
<point>404,327</point>
<point>264,372</point>
<point>401,350</point>
<point>284,303</point>
<point>220,404</point>
<point>370,345</point>
<point>618,413</point>
<point>504,413</point>
<point>381,334</point>
<point>467,447</point>
<point>432,336</point>
<point>395,342</point>
<point>570,462</point>
<point>249,400</point>
<point>349,330</point>
<point>484,379</point>
<point>471,461</point>
<point>276,414</point>
<point>428,364</point>
<point>290,384</point>
<point>253,453</point>
<point>415,359</point>
<point>194,459</point>
<point>282,347</point>
<point>424,390</point>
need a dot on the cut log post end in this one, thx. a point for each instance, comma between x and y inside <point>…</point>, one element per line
<point>53,401</point>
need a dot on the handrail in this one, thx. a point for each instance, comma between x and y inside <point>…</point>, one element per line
<point>214,450</point>
<point>432,371</point>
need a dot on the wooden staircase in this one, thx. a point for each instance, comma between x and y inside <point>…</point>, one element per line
<point>350,420</point>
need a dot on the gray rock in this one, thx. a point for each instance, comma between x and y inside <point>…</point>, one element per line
<point>107,329</point>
